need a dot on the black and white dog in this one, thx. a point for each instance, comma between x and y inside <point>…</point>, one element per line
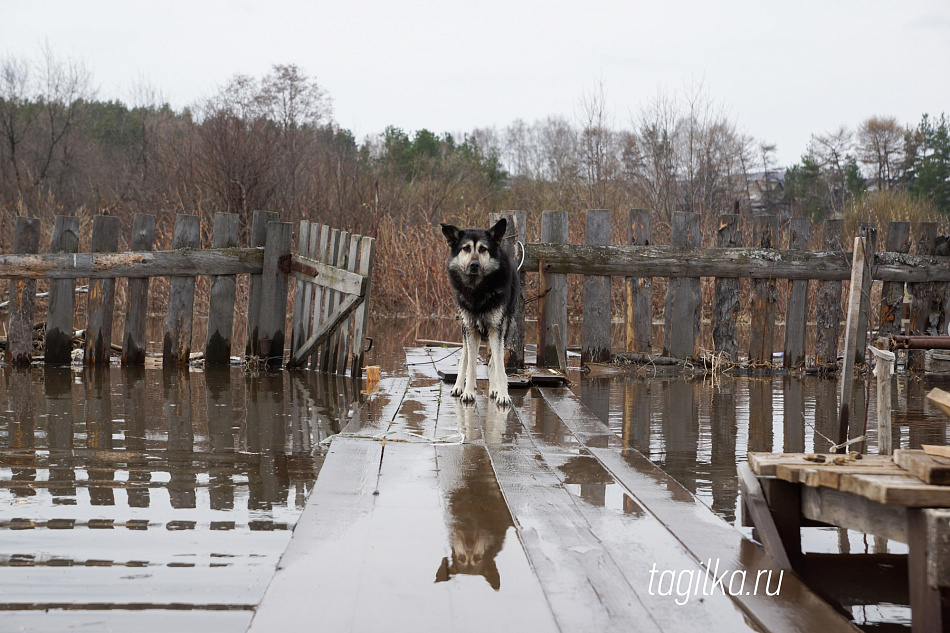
<point>485,282</point>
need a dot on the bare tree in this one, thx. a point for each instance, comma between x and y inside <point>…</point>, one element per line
<point>880,145</point>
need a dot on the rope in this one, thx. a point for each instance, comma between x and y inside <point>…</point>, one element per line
<point>521,244</point>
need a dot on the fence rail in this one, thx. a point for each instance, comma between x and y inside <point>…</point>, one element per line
<point>780,252</point>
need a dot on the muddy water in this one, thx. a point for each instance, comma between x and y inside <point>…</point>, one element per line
<point>126,494</point>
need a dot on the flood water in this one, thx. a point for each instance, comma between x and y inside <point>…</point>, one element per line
<point>127,491</point>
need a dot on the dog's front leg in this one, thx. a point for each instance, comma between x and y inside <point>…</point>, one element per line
<point>459,387</point>
<point>497,376</point>
<point>472,340</point>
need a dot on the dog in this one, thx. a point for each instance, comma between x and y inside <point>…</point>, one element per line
<point>485,282</point>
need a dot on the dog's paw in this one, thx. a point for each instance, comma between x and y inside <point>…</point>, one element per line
<point>503,401</point>
<point>457,391</point>
<point>468,397</point>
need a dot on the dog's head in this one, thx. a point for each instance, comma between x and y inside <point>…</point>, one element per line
<point>474,251</point>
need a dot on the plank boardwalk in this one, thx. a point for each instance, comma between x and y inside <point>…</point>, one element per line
<point>540,520</point>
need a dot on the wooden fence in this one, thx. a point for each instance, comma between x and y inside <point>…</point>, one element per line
<point>779,252</point>
<point>267,260</point>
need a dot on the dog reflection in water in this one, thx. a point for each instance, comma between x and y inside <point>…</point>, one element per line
<point>478,517</point>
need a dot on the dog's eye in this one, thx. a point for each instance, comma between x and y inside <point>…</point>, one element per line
<point>467,248</point>
<point>482,249</point>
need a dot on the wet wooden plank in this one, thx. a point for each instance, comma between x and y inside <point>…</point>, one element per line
<point>142,621</point>
<point>854,512</point>
<point>754,502</point>
<point>712,539</point>
<point>222,295</point>
<point>795,468</point>
<point>176,345</point>
<point>904,490</point>
<point>683,295</point>
<point>136,314</point>
<point>639,290</point>
<point>19,348</point>
<point>62,298</point>
<point>595,329</point>
<point>392,499</point>
<point>584,585</point>
<point>930,469</point>
<point>100,303</point>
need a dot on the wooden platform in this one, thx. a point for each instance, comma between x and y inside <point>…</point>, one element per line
<point>540,520</point>
<point>877,495</point>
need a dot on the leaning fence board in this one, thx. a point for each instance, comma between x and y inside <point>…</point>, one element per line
<point>797,309</point>
<point>297,323</point>
<point>99,311</point>
<point>222,294</point>
<point>343,356</point>
<point>726,304</point>
<point>869,233</point>
<point>683,295</point>
<point>330,298</point>
<point>136,313</point>
<point>639,290</point>
<point>256,283</point>
<point>62,297</point>
<point>19,349</point>
<point>318,252</point>
<point>176,344</point>
<point>361,316</point>
<point>859,270</point>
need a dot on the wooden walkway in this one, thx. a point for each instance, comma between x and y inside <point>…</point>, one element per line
<point>541,520</point>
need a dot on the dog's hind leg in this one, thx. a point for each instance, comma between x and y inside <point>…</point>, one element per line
<point>459,387</point>
<point>497,377</point>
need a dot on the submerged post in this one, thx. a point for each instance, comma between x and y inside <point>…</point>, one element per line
<point>222,291</point>
<point>683,295</point>
<point>62,295</point>
<point>828,313</point>
<point>552,308</point>
<point>273,315</point>
<point>883,370</point>
<point>99,311</point>
<point>764,295</point>
<point>639,326</point>
<point>176,345</point>
<point>19,350</point>
<point>136,314</point>
<point>797,311</point>
<point>726,304</point>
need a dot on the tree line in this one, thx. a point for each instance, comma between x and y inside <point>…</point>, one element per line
<point>270,143</point>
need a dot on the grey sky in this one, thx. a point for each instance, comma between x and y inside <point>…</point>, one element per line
<point>783,71</point>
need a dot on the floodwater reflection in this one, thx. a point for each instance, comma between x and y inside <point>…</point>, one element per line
<point>111,468</point>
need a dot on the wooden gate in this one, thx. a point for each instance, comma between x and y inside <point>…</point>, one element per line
<point>331,298</point>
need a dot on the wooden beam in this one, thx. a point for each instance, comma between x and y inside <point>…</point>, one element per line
<point>858,271</point>
<point>312,271</point>
<point>758,507</point>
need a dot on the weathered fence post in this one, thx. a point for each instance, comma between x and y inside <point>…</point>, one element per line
<point>595,329</point>
<point>176,344</point>
<point>858,272</point>
<point>922,293</point>
<point>828,313</point>
<point>868,231</point>
<point>222,291</point>
<point>796,315</point>
<point>361,316</point>
<point>764,295</point>
<point>136,313</point>
<point>19,350</point>
<point>255,285</point>
<point>684,295</point>
<point>62,296</point>
<point>273,315</point>
<point>552,308</point>
<point>726,305</point>
<point>892,293</point>
<point>515,232</point>
<point>345,334</point>
<point>639,325</point>
<point>333,254</point>
<point>99,311</point>
<point>318,251</point>
<point>883,370</point>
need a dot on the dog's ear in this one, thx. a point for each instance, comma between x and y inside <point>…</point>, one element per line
<point>497,232</point>
<point>451,233</point>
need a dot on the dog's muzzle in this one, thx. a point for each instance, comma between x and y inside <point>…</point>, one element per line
<point>473,268</point>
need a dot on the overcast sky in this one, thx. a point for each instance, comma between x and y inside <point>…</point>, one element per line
<point>783,71</point>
